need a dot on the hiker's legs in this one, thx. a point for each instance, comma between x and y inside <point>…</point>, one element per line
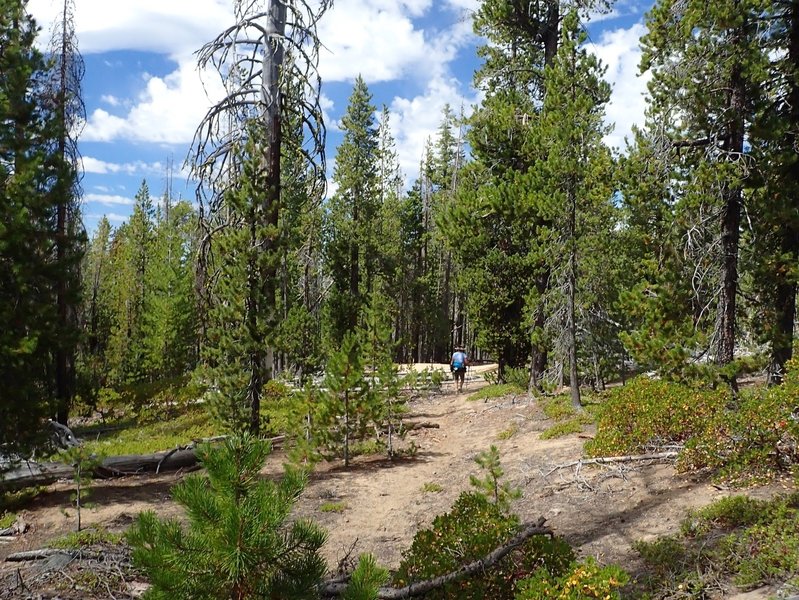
<point>459,375</point>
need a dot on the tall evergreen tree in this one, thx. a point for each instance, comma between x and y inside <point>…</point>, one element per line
<point>574,179</point>
<point>352,247</point>
<point>694,49</point>
<point>29,262</point>
<point>237,357</point>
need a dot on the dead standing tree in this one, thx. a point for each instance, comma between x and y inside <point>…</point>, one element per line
<point>64,94</point>
<point>268,63</point>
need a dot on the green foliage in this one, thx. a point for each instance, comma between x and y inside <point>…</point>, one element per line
<point>754,441</point>
<point>366,579</point>
<point>562,429</point>
<point>648,412</point>
<point>508,433</point>
<point>753,542</point>
<point>726,513</point>
<point>558,408</point>
<point>500,494</point>
<point>36,258</point>
<point>586,579</point>
<point>90,536</point>
<point>237,541</point>
<point>431,487</point>
<point>499,390</point>
<point>155,436</point>
<point>347,407</point>
<point>7,519</point>
<point>758,440</point>
<point>474,527</point>
<point>333,507</point>
<point>84,462</point>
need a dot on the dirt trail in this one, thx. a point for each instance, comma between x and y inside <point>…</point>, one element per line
<point>601,511</point>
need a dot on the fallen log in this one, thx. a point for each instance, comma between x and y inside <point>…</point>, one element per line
<point>336,587</point>
<point>41,554</point>
<point>32,473</point>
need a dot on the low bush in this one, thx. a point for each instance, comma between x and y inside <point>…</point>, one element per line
<point>496,391</point>
<point>646,413</point>
<point>752,438</point>
<point>741,540</point>
<point>474,527</point>
<point>585,579</point>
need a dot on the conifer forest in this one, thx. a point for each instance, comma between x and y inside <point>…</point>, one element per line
<point>648,293</point>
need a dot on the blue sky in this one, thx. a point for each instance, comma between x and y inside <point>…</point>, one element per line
<point>144,95</point>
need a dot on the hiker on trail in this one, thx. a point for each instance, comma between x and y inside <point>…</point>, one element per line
<point>457,365</point>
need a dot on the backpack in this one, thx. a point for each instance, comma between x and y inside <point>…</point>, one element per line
<point>457,361</point>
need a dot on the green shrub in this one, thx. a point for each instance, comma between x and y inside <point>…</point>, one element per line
<point>558,408</point>
<point>518,377</point>
<point>473,528</point>
<point>754,442</point>
<point>585,579</point>
<point>86,537</point>
<point>7,519</point>
<point>752,542</point>
<point>334,507</point>
<point>648,412</point>
<point>726,513</point>
<point>508,433</point>
<point>561,429</point>
<point>432,488</point>
<point>496,391</point>
<point>765,553</point>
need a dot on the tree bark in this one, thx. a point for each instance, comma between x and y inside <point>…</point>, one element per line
<point>786,287</point>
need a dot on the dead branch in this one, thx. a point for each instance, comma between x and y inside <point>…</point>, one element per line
<point>336,588</point>
<point>605,460</point>
<point>420,425</point>
<point>41,554</point>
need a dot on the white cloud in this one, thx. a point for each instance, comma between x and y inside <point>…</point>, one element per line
<point>619,50</point>
<point>101,167</point>
<point>110,100</point>
<point>166,111</point>
<point>108,199</point>
<point>373,38</point>
<point>173,27</point>
<point>414,120</point>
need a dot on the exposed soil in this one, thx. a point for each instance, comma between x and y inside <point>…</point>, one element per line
<point>600,510</point>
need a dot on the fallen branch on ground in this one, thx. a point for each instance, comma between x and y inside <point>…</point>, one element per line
<point>32,473</point>
<point>336,588</point>
<point>607,460</point>
<point>420,425</point>
<point>41,554</point>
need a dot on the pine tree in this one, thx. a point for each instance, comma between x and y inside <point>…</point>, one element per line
<point>693,49</point>
<point>238,354</point>
<point>168,322</point>
<point>96,315</point>
<point>352,247</point>
<point>130,256</point>
<point>237,542</point>
<point>573,180</point>
<point>29,263</point>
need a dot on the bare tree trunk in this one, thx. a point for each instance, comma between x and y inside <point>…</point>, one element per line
<point>730,229</point>
<point>571,321</point>
<point>786,288</point>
